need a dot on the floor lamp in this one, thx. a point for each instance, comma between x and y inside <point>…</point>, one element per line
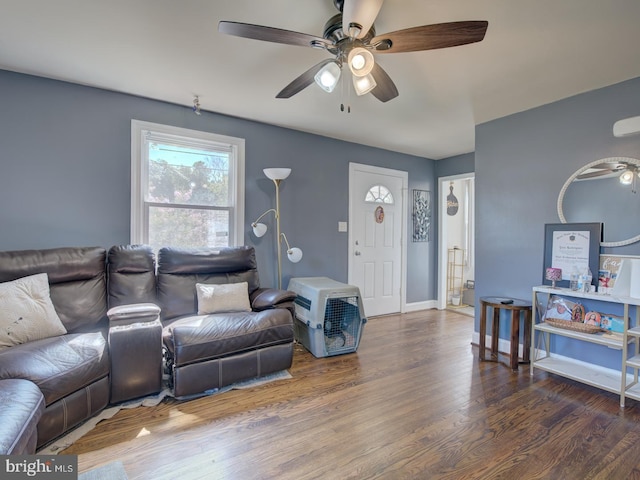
<point>259,229</point>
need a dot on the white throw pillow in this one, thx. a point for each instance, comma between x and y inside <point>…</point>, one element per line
<point>26,311</point>
<point>228,297</point>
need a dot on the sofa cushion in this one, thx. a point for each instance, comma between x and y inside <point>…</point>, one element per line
<point>77,280</point>
<point>59,365</point>
<point>131,275</point>
<point>26,311</point>
<point>227,297</point>
<point>205,337</point>
<point>179,270</point>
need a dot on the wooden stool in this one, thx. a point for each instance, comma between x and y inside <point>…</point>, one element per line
<point>516,306</point>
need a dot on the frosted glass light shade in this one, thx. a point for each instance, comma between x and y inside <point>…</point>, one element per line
<point>328,76</point>
<point>277,173</point>
<point>626,178</point>
<point>360,61</point>
<point>259,229</point>
<point>364,84</point>
<point>294,255</point>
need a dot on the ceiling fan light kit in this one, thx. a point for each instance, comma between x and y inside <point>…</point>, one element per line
<point>626,177</point>
<point>360,61</point>
<point>350,37</point>
<point>363,85</point>
<point>328,76</point>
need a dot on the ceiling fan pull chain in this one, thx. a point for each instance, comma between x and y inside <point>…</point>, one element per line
<point>342,107</point>
<point>341,92</point>
<point>348,97</point>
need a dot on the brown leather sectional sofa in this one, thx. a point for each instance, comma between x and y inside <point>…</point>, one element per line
<point>127,322</point>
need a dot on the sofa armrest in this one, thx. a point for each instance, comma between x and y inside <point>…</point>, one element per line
<point>265,298</point>
<point>21,406</point>
<point>135,351</point>
<point>133,313</point>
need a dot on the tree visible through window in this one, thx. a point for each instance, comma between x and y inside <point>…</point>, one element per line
<point>188,189</point>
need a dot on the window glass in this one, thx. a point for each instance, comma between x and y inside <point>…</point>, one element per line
<point>187,187</point>
<point>187,175</point>
<point>379,194</point>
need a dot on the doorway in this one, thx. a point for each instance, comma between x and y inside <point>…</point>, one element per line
<point>377,250</point>
<point>456,243</point>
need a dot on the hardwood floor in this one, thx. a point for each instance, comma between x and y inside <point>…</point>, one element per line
<point>414,402</point>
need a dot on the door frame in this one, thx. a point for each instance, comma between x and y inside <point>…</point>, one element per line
<point>443,183</point>
<point>404,176</point>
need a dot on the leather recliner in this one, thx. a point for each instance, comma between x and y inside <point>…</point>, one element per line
<point>206,352</point>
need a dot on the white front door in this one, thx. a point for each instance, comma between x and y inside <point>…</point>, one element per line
<point>376,213</point>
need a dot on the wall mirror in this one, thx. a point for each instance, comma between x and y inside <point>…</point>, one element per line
<point>605,191</point>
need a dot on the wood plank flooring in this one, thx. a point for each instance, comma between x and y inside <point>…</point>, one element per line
<point>413,403</point>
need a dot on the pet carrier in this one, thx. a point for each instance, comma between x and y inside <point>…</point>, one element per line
<point>329,315</point>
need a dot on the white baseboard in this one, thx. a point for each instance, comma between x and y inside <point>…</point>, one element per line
<point>504,346</point>
<point>414,307</point>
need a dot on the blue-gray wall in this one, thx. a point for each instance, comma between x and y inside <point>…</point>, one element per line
<point>521,163</point>
<point>65,177</point>
<point>455,165</point>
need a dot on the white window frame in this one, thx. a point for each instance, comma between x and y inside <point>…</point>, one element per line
<point>139,177</point>
<point>387,199</point>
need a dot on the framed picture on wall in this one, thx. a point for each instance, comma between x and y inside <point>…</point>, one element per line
<point>570,246</point>
<point>421,215</point>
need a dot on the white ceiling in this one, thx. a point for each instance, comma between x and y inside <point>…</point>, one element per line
<point>535,52</point>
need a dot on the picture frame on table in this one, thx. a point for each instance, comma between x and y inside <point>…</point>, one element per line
<point>608,272</point>
<point>572,245</point>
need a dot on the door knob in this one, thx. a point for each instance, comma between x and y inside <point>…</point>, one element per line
<point>356,253</point>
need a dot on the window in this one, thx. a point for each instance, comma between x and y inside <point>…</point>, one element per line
<point>187,187</point>
<point>379,194</point>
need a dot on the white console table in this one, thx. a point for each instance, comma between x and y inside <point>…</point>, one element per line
<point>622,381</point>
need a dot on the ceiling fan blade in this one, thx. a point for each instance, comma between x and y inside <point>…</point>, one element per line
<point>385,89</point>
<point>360,12</point>
<point>303,81</point>
<point>602,170</point>
<point>430,37</point>
<point>271,34</point>
<point>594,174</point>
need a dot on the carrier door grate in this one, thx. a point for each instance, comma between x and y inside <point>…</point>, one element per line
<point>341,323</point>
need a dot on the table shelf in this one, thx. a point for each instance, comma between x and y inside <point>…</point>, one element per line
<point>604,378</point>
<point>607,339</point>
<point>619,381</point>
<point>634,362</point>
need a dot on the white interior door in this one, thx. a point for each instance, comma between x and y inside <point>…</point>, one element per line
<point>376,251</point>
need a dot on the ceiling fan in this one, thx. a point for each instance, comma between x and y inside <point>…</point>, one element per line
<point>604,169</point>
<point>628,173</point>
<point>351,39</point>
